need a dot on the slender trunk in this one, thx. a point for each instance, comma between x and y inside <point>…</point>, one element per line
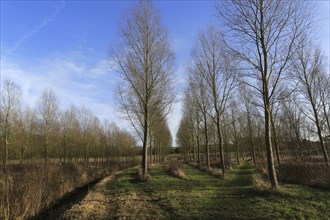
<point>155,153</point>
<point>252,151</point>
<point>277,150</point>
<point>319,133</point>
<point>198,148</point>
<point>22,154</point>
<point>207,143</point>
<point>261,156</point>
<point>145,146</point>
<point>251,139</point>
<point>236,142</point>
<point>228,155</point>
<point>194,153</point>
<point>237,152</point>
<point>242,152</point>
<point>150,150</point>
<point>46,148</point>
<point>222,161</point>
<point>5,159</point>
<point>269,149</point>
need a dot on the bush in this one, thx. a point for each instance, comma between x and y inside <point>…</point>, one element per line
<point>309,174</point>
<point>216,172</point>
<point>140,177</point>
<point>175,167</point>
<point>259,183</point>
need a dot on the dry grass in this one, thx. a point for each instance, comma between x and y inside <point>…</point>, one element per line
<point>259,183</point>
<point>309,174</point>
<point>110,199</point>
<point>141,177</point>
<point>94,206</point>
<point>26,190</point>
<point>213,171</point>
<point>175,167</point>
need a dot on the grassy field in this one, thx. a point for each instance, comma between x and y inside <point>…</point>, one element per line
<point>200,197</point>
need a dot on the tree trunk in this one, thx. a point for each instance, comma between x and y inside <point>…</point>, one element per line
<point>207,143</point>
<point>5,160</point>
<point>145,147</point>
<point>252,151</point>
<point>198,148</point>
<point>222,162</point>
<point>319,133</point>
<point>150,148</point>
<point>269,149</point>
<point>46,148</point>
<point>277,150</point>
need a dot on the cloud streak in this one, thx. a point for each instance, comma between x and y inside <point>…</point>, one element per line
<point>37,28</point>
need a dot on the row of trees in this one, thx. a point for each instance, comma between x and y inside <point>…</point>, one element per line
<point>46,131</point>
<point>260,86</point>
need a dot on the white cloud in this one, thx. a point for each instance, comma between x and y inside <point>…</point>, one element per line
<point>72,81</point>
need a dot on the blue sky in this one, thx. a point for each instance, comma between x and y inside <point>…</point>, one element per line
<point>64,44</point>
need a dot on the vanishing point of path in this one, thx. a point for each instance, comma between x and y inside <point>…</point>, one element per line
<point>202,196</point>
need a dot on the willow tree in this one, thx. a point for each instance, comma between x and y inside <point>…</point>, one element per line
<point>263,34</point>
<point>144,61</point>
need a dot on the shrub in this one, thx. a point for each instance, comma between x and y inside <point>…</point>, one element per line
<point>175,167</point>
<point>140,177</point>
<point>259,183</point>
<point>309,174</point>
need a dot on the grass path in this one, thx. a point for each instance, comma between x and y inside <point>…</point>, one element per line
<point>201,197</point>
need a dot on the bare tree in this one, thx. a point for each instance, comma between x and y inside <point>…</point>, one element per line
<point>203,104</point>
<point>145,65</point>
<point>235,117</point>
<point>215,67</point>
<point>26,129</point>
<point>293,119</point>
<point>48,106</point>
<point>309,72</point>
<point>249,108</point>
<point>263,34</point>
<point>86,120</point>
<point>10,104</point>
<point>324,92</point>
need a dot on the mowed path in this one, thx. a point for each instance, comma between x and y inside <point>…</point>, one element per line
<point>202,196</point>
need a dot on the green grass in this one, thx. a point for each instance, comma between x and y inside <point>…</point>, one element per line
<point>206,197</point>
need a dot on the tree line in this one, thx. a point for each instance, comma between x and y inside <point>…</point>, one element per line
<point>258,85</point>
<point>45,131</point>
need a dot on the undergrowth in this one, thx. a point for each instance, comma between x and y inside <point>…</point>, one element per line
<point>175,167</point>
<point>27,189</point>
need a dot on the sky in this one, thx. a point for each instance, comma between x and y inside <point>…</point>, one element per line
<point>64,45</point>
